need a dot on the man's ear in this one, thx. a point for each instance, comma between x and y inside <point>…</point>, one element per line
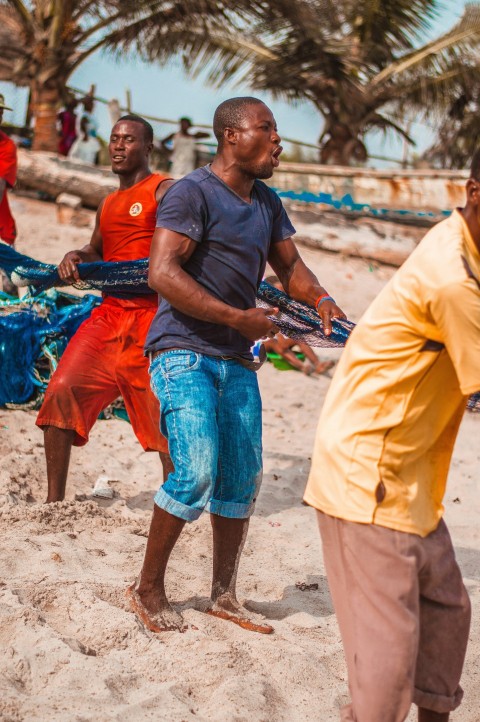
<point>230,136</point>
<point>473,191</point>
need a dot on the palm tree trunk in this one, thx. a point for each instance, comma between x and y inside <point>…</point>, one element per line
<point>46,102</point>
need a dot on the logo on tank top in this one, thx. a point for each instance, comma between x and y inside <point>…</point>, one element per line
<point>136,209</point>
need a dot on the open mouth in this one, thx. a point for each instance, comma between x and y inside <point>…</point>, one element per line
<point>118,158</point>
<point>276,156</point>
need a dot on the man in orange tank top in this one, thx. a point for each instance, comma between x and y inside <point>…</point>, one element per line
<point>105,357</point>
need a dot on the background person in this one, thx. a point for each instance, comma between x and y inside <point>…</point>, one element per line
<point>68,127</point>
<point>183,155</point>
<point>88,122</point>
<point>87,145</point>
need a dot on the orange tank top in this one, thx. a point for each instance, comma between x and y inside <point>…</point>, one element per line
<point>127,220</point>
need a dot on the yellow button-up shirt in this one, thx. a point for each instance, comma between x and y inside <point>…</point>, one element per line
<point>387,429</point>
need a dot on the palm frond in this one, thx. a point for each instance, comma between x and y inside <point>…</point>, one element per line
<point>464,34</point>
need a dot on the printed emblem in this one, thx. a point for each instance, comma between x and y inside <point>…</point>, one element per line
<point>136,209</point>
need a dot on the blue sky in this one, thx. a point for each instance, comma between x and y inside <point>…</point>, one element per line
<point>167,92</point>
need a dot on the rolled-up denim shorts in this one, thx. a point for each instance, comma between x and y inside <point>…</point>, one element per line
<point>211,415</point>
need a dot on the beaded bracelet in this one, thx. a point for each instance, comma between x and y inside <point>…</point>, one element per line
<point>322,298</point>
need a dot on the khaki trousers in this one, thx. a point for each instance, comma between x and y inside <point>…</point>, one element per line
<point>404,617</point>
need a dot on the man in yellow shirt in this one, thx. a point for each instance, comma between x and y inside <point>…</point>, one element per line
<point>379,470</point>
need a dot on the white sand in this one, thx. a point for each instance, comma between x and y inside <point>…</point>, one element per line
<point>73,651</point>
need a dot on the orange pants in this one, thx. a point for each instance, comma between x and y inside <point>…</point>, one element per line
<point>104,360</point>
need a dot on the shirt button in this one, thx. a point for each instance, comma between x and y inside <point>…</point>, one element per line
<point>380,492</point>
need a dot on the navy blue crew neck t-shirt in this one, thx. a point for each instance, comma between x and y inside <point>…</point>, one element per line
<point>233,239</point>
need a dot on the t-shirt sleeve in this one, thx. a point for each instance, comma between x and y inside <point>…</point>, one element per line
<point>8,163</point>
<point>282,226</point>
<point>456,311</point>
<point>183,210</point>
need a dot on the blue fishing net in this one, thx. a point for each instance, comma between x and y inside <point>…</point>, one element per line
<point>119,279</point>
<point>127,278</point>
<point>34,332</point>
<point>22,337</point>
<point>301,322</point>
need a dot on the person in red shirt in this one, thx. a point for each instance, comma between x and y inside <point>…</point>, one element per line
<point>68,127</point>
<point>8,177</point>
<point>105,359</point>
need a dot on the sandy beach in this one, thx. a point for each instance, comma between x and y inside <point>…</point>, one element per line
<point>72,650</point>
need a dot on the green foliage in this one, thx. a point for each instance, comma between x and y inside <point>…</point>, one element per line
<point>459,135</point>
<point>362,64</point>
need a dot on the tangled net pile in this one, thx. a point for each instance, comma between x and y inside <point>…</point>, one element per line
<point>34,332</point>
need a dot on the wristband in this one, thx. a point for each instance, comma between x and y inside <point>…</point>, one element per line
<point>322,298</point>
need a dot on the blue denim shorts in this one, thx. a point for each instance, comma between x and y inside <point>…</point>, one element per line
<point>211,414</point>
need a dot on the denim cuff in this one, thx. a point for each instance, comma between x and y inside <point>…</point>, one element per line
<point>230,509</point>
<point>176,508</point>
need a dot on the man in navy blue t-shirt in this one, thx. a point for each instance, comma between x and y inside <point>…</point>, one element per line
<point>216,230</point>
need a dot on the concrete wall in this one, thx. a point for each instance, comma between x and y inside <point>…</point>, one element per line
<point>418,191</point>
<point>409,194</point>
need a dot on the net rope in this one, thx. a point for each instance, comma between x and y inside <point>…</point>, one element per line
<point>35,330</point>
<point>122,279</point>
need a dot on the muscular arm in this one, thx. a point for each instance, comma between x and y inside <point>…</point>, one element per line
<point>299,281</point>
<point>93,251</point>
<point>169,252</point>
<point>162,188</point>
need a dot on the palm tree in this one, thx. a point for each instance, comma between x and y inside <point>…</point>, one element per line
<point>361,63</point>
<point>458,137</point>
<point>43,41</point>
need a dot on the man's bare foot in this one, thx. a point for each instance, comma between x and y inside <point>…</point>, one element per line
<point>157,617</point>
<point>226,607</point>
<point>323,366</point>
<point>307,368</point>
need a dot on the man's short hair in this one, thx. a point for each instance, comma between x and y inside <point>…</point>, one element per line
<point>147,128</point>
<point>475,167</point>
<point>230,114</point>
